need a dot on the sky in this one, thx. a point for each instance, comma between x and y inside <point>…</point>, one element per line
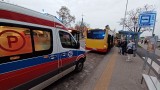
<point>97,13</point>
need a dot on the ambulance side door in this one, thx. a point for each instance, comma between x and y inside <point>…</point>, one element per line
<point>68,51</point>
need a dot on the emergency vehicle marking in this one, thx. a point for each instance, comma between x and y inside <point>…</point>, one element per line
<point>23,62</point>
<point>29,19</point>
<point>70,54</point>
<point>37,61</point>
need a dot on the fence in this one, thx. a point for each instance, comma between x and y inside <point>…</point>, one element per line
<point>151,70</point>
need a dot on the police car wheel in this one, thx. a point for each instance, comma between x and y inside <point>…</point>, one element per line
<point>79,66</point>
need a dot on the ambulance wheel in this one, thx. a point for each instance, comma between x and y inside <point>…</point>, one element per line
<point>79,66</point>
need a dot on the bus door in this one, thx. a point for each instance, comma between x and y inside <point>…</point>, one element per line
<point>109,41</point>
<point>68,51</point>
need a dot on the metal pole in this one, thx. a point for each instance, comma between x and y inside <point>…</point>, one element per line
<point>153,30</point>
<point>153,36</point>
<point>154,26</point>
<point>125,14</point>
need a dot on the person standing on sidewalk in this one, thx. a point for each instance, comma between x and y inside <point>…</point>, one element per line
<point>119,46</point>
<point>123,45</point>
<point>152,44</point>
<point>130,46</point>
<point>141,41</point>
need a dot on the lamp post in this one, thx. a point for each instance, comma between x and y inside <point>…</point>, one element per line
<point>125,14</point>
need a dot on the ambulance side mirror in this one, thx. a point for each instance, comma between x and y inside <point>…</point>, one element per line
<point>77,45</point>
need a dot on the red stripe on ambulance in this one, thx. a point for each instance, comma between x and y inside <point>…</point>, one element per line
<point>29,19</point>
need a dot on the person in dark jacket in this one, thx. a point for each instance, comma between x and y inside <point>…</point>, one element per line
<point>124,46</point>
<point>119,46</point>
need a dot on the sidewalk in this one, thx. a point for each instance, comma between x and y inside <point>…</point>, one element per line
<point>114,73</point>
<point>157,51</point>
<point>127,75</point>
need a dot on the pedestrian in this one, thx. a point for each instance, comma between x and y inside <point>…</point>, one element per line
<point>141,41</point>
<point>134,49</point>
<point>151,45</point>
<point>119,46</point>
<point>123,46</point>
<point>130,47</point>
<point>146,41</point>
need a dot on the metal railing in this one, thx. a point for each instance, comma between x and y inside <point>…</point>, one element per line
<point>151,66</point>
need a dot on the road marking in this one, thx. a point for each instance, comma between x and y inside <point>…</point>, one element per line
<point>104,80</point>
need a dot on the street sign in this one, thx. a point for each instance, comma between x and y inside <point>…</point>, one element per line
<point>147,19</point>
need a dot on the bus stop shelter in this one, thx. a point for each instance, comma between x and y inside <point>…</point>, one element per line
<point>130,35</point>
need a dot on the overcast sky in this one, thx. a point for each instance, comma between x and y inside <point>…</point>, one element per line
<point>97,13</point>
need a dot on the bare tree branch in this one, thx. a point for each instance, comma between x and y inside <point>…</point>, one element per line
<point>131,20</point>
<point>64,14</point>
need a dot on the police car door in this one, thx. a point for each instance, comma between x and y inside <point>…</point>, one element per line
<point>67,49</point>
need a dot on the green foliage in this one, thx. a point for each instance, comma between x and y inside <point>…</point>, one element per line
<point>139,46</point>
<point>142,37</point>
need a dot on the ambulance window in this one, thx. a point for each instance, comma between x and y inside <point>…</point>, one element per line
<point>42,40</point>
<point>14,41</point>
<point>67,40</point>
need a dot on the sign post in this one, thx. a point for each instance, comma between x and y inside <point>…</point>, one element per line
<point>147,19</point>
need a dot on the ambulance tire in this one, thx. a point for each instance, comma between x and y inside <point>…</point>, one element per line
<point>79,66</point>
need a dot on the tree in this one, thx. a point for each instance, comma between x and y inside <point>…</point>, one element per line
<point>80,23</point>
<point>65,16</point>
<point>82,27</point>
<point>131,20</point>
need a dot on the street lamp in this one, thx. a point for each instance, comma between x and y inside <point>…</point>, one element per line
<point>125,14</point>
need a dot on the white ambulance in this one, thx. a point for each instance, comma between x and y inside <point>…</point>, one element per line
<point>35,49</point>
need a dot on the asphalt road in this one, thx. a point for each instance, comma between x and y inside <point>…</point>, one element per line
<point>73,81</point>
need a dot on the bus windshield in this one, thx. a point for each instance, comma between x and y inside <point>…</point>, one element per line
<point>96,34</point>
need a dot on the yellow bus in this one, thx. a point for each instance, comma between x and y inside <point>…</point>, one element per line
<point>100,40</point>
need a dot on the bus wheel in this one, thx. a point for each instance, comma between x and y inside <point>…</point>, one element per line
<point>79,66</point>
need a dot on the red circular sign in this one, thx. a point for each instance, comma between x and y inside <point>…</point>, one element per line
<point>9,50</point>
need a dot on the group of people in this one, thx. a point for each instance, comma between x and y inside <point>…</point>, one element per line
<point>145,41</point>
<point>127,48</point>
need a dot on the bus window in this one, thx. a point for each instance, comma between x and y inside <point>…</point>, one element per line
<point>42,40</point>
<point>96,34</point>
<point>13,41</point>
